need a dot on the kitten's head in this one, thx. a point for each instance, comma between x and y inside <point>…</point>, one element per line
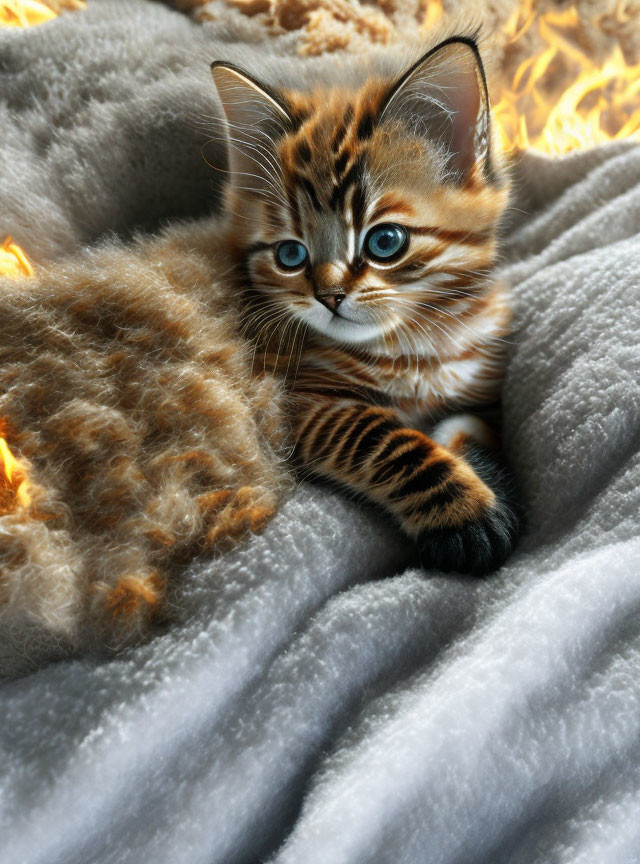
<point>364,211</point>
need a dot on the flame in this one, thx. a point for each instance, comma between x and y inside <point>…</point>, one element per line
<point>13,262</point>
<point>14,486</point>
<point>559,98</point>
<point>26,13</point>
<point>433,14</point>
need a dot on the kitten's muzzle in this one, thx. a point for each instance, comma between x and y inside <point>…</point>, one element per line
<point>327,279</point>
<point>331,301</point>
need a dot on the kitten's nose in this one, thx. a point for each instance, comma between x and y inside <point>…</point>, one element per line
<point>328,278</point>
<point>331,301</point>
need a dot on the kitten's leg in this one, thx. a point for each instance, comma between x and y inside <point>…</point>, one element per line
<point>459,431</point>
<point>475,441</point>
<point>456,503</point>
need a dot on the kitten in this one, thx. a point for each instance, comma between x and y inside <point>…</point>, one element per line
<point>353,264</point>
<point>365,222</point>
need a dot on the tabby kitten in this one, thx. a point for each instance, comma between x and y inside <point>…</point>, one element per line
<point>353,262</point>
<point>365,223</point>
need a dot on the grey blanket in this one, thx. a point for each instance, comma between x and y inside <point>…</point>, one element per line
<point>315,700</point>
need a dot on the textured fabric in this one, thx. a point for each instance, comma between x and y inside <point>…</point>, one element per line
<point>317,698</point>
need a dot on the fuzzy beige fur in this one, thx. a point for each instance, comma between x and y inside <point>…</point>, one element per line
<point>129,394</point>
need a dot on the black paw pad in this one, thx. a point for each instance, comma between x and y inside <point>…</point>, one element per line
<point>482,546</point>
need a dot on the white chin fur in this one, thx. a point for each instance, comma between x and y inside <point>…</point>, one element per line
<point>339,328</point>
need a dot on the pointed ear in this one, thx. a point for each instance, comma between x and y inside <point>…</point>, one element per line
<point>256,118</point>
<point>444,98</point>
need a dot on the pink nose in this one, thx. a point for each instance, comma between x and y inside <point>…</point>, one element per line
<point>331,301</point>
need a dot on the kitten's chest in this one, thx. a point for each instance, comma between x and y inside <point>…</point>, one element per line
<point>415,385</point>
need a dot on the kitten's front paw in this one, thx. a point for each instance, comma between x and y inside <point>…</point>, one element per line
<point>477,547</point>
<point>481,545</point>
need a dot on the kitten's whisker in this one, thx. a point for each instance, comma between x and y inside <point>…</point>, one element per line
<point>265,178</point>
<point>305,330</point>
<point>461,323</point>
<point>298,324</point>
<point>283,338</point>
<point>413,320</point>
<point>249,140</point>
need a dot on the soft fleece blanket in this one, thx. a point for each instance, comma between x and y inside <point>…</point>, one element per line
<point>315,700</point>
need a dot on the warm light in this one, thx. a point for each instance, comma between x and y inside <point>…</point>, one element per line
<point>13,262</point>
<point>26,13</point>
<point>14,488</point>
<point>559,99</point>
<point>433,12</point>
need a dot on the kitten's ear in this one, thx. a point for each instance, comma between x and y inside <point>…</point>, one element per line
<point>444,98</point>
<point>256,118</point>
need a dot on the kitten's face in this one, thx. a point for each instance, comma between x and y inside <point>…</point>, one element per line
<point>366,212</point>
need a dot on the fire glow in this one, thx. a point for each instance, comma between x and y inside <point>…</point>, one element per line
<point>13,262</point>
<point>559,99</point>
<point>14,486</point>
<point>24,13</point>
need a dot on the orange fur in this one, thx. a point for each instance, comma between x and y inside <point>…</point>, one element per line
<point>130,400</point>
<point>142,398</point>
<point>369,348</point>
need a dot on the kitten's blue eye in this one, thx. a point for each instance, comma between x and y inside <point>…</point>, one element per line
<point>291,255</point>
<point>385,242</point>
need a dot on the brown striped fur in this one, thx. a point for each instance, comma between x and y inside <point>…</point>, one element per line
<point>148,430</point>
<point>370,348</point>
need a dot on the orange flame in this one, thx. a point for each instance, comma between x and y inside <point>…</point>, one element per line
<point>14,487</point>
<point>26,13</point>
<point>433,13</point>
<point>13,262</point>
<point>560,99</point>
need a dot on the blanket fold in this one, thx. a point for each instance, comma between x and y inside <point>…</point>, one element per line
<point>318,698</point>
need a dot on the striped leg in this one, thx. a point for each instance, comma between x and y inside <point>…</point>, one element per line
<point>454,503</point>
